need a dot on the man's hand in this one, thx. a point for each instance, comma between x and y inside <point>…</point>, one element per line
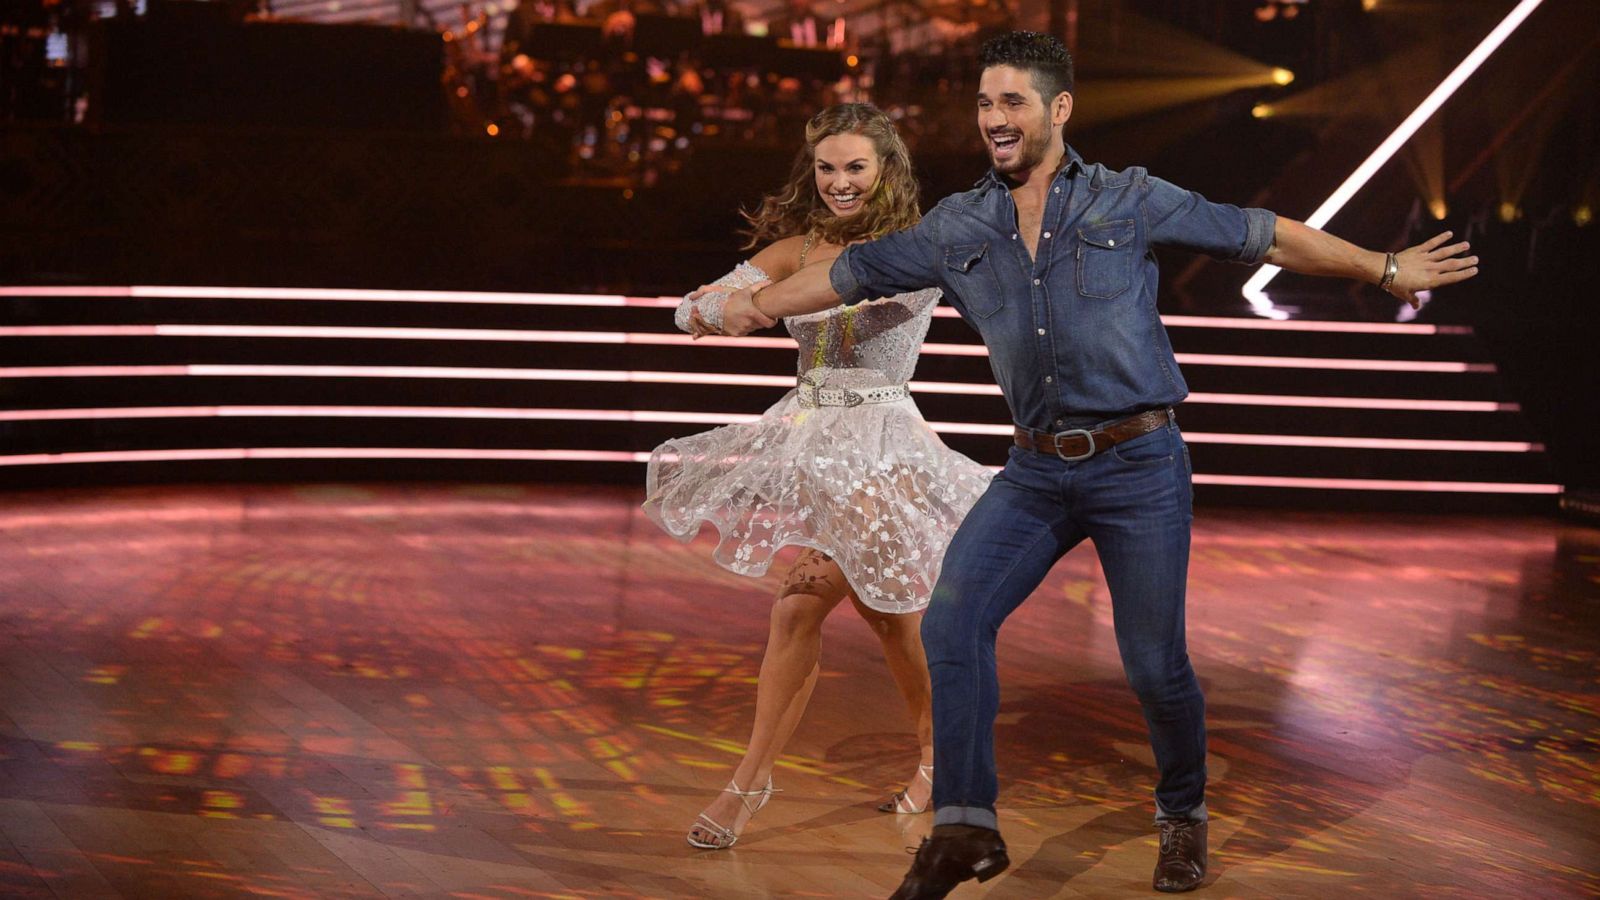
<point>1431,265</point>
<point>739,314</point>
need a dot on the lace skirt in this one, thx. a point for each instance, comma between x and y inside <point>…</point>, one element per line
<point>872,486</point>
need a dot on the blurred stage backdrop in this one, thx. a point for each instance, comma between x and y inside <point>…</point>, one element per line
<point>421,239</point>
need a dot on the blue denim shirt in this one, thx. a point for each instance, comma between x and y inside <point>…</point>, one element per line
<point>1073,335</point>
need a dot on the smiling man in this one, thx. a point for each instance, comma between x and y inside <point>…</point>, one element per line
<point>1052,260</point>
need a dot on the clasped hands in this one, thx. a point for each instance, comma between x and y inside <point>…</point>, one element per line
<point>739,315</point>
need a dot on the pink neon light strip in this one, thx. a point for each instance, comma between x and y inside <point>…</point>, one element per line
<point>613,300</point>
<point>1360,443</point>
<point>1297,362</point>
<point>73,292</point>
<point>658,339</point>
<point>1378,484</point>
<point>388,412</point>
<point>702,378</point>
<point>116,456</point>
<point>698,418</point>
<point>1310,325</point>
<point>1292,440</point>
<point>340,294</point>
<point>1394,403</point>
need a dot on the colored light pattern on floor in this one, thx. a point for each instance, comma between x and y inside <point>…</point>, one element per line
<point>510,691</point>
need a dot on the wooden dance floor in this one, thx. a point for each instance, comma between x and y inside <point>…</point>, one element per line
<point>478,691</point>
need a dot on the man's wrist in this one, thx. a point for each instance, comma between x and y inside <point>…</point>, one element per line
<point>755,303</point>
<point>1390,269</point>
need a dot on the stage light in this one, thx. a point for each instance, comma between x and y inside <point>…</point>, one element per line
<point>1282,77</point>
<point>1254,289</point>
<point>1509,213</point>
<point>1261,111</point>
<point>1438,208</point>
<point>1583,215</point>
<point>852,61</point>
<point>1369,5</point>
<point>493,129</point>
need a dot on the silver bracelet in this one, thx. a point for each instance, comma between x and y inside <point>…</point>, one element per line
<point>1391,268</point>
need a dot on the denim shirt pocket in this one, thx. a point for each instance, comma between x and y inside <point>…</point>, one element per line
<point>972,278</point>
<point>1105,259</point>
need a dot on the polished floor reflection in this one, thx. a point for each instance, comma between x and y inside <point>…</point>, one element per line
<point>475,691</point>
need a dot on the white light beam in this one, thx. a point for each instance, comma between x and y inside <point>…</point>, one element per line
<point>1254,288</point>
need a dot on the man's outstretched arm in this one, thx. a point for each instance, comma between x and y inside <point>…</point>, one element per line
<point>1431,264</point>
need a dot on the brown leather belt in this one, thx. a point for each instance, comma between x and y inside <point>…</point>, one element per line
<point>1080,443</point>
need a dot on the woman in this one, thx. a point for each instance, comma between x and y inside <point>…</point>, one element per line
<point>843,466</point>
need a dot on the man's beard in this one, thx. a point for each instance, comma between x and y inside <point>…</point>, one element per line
<point>1031,150</point>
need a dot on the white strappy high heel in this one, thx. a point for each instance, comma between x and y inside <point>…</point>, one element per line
<point>723,837</point>
<point>901,801</point>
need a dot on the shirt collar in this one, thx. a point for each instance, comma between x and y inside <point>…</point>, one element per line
<point>1071,164</point>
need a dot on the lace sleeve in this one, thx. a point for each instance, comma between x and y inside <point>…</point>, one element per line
<point>710,303</point>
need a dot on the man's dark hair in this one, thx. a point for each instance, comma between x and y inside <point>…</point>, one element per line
<point>1043,56</point>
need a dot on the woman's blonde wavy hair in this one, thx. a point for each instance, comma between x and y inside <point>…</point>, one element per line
<point>798,209</point>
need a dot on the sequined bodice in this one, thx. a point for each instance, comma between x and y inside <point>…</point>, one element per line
<point>881,335</point>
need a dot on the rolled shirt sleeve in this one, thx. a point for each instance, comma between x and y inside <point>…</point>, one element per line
<point>1188,221</point>
<point>897,263</point>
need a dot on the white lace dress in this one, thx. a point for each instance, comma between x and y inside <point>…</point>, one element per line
<point>844,464</point>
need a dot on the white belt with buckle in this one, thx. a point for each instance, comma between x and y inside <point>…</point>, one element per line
<point>812,395</point>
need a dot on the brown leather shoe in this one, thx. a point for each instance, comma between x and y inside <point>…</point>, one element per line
<point>952,855</point>
<point>1182,863</point>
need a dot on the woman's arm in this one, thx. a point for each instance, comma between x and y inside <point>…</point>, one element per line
<point>780,259</point>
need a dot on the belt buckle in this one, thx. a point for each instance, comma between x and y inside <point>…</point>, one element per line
<point>1087,436</point>
<point>808,392</point>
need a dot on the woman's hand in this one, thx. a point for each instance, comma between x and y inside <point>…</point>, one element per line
<point>700,327</point>
<point>1431,265</point>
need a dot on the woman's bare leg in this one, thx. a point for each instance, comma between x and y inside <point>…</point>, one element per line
<point>901,636</point>
<point>812,588</point>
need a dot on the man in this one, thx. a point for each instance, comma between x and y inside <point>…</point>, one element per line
<point>1050,259</point>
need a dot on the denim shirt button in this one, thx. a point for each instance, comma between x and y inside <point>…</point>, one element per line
<point>1036,281</point>
<point>1041,332</point>
<point>1111,242</point>
<point>1047,235</point>
<point>1049,379</point>
<point>1013,236</point>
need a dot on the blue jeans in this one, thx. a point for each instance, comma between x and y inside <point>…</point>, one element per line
<point>1134,502</point>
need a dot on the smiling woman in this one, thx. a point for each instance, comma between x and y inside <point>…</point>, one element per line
<point>849,149</point>
<point>847,168</point>
<point>844,467</point>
